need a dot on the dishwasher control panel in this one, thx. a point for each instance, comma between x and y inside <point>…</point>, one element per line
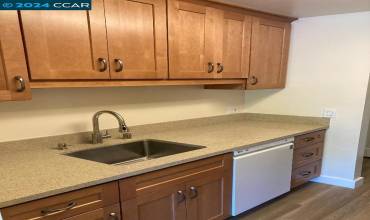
<point>263,146</point>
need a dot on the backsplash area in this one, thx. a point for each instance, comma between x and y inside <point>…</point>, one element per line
<point>64,111</point>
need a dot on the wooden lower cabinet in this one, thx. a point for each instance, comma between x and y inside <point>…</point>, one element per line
<point>198,190</point>
<point>307,157</point>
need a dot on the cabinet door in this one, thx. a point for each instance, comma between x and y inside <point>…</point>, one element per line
<point>107,213</point>
<point>14,83</point>
<point>269,53</point>
<point>137,38</point>
<point>166,203</point>
<point>191,32</point>
<point>66,44</point>
<point>209,197</point>
<point>234,46</point>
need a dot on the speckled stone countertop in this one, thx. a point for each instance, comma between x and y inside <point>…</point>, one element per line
<point>34,169</point>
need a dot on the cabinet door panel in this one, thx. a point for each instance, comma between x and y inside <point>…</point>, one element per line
<point>137,35</point>
<point>209,196</point>
<point>191,36</point>
<point>12,59</point>
<point>270,45</point>
<point>235,45</point>
<point>163,204</point>
<point>66,44</point>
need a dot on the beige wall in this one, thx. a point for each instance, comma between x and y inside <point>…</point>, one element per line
<point>62,111</point>
<point>329,66</point>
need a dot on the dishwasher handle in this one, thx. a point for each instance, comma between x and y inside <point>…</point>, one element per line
<point>256,150</point>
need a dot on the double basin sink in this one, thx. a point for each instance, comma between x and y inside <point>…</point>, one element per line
<point>134,151</point>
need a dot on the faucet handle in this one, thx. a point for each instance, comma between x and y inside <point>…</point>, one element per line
<point>126,135</point>
<point>63,146</point>
<point>106,135</point>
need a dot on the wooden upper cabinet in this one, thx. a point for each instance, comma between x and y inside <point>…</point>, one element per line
<point>234,45</point>
<point>66,44</point>
<point>269,54</point>
<point>14,84</point>
<point>137,38</point>
<point>191,33</point>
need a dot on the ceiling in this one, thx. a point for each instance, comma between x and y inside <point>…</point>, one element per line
<point>303,8</point>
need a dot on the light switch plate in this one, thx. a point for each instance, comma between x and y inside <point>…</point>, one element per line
<point>329,112</point>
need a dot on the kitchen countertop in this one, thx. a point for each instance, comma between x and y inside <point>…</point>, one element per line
<point>34,169</point>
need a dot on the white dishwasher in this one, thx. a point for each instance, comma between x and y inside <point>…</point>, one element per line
<point>260,174</point>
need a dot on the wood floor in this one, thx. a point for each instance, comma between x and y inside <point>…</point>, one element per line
<point>315,201</point>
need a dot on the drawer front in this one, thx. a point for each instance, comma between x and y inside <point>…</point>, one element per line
<point>308,154</point>
<point>305,173</point>
<point>65,205</point>
<point>307,139</point>
<point>106,213</point>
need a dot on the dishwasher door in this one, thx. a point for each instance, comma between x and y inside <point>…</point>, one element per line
<point>261,176</point>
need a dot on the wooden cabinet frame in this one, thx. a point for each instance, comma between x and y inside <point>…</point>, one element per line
<point>165,70</point>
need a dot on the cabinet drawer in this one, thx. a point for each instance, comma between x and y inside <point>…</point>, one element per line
<point>107,213</point>
<point>308,154</point>
<point>65,205</point>
<point>305,173</point>
<point>307,139</point>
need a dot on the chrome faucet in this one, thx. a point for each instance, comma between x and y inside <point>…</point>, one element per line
<point>97,136</point>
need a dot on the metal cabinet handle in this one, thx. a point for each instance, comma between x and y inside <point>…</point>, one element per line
<point>305,173</point>
<point>50,211</point>
<point>119,65</point>
<point>211,67</point>
<point>307,155</point>
<point>220,68</point>
<point>253,80</point>
<point>180,196</point>
<point>193,192</point>
<point>22,84</point>
<point>308,139</point>
<point>103,64</point>
<point>113,215</point>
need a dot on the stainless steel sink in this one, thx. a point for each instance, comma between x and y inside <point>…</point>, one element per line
<point>134,151</point>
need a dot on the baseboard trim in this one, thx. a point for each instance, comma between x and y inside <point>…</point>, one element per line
<point>337,181</point>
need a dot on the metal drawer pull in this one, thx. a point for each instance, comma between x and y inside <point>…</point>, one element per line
<point>22,83</point>
<point>220,68</point>
<point>211,67</point>
<point>119,65</point>
<point>180,196</point>
<point>305,173</point>
<point>103,64</point>
<point>308,139</point>
<point>307,155</point>
<point>50,211</point>
<point>253,80</point>
<point>113,215</point>
<point>194,192</point>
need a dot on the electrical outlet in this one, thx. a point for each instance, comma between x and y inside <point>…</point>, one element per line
<point>329,112</point>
